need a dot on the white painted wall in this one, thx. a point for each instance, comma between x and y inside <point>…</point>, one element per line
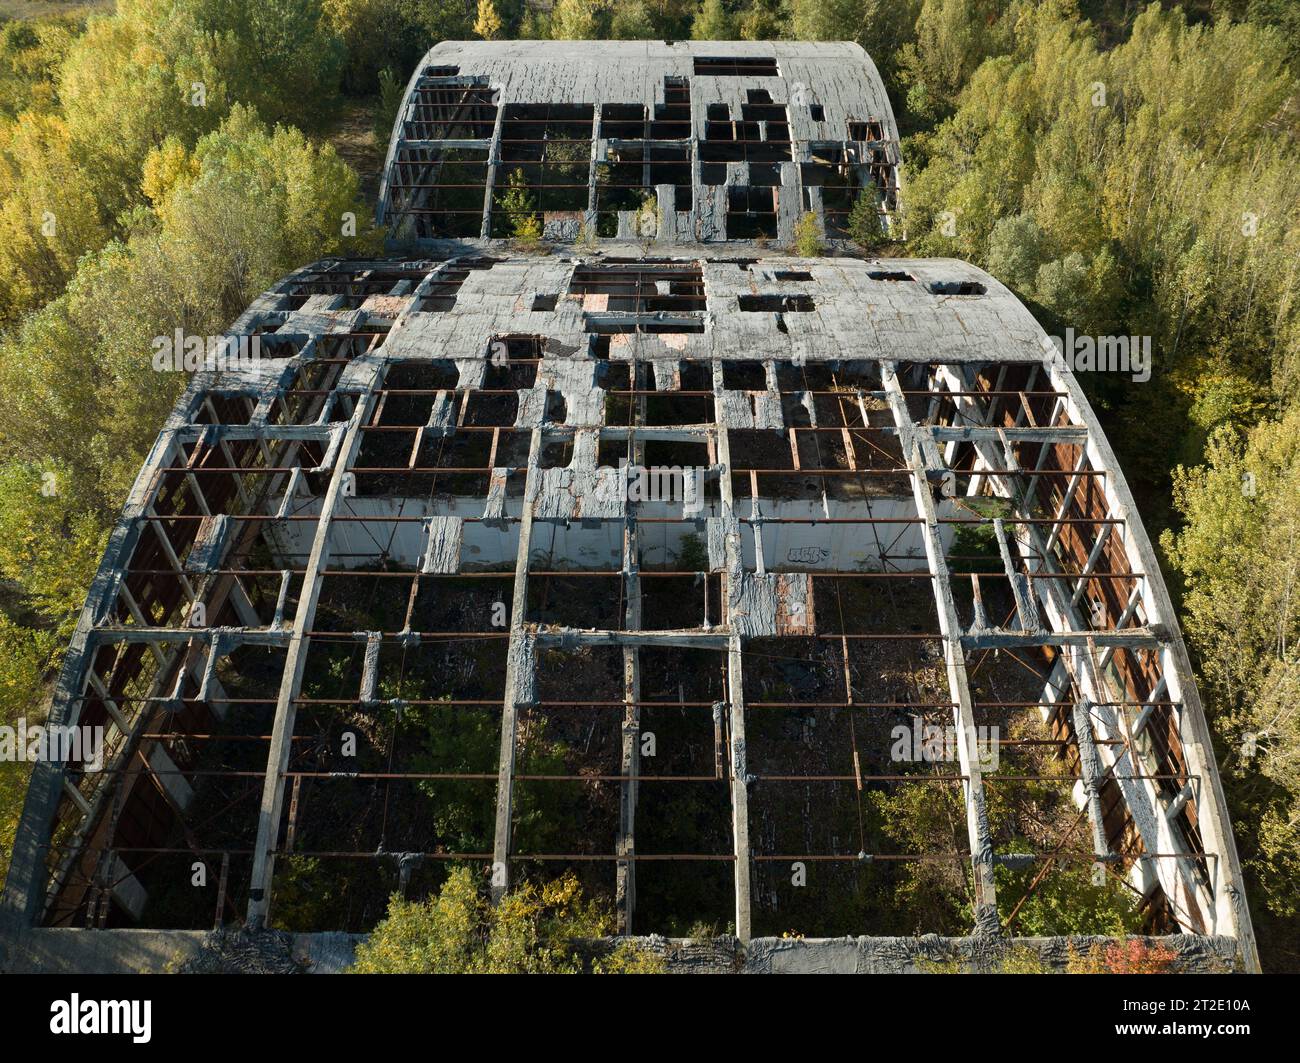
<point>786,547</point>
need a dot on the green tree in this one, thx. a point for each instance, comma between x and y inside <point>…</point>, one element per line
<point>576,20</point>
<point>952,38</point>
<point>928,895</point>
<point>808,236</point>
<point>1239,555</point>
<point>1016,252</point>
<point>1066,901</point>
<point>712,22</point>
<point>1080,291</point>
<point>392,90</point>
<point>395,34</point>
<point>50,541</point>
<point>631,21</point>
<point>26,656</point>
<point>533,930</point>
<point>48,213</point>
<point>246,206</point>
<point>763,20</point>
<point>31,51</point>
<point>159,68</point>
<point>863,224</point>
<point>519,208</point>
<point>278,56</point>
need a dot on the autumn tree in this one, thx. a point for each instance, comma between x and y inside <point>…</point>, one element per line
<point>533,930</point>
<point>1238,552</point>
<point>808,236</point>
<point>576,20</point>
<point>712,22</point>
<point>488,23</point>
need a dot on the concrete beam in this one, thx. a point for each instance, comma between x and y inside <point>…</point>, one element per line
<point>977,821</point>
<point>738,760</point>
<point>514,681</point>
<point>625,886</point>
<point>277,760</point>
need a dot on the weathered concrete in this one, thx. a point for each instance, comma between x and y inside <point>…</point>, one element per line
<point>572,349</point>
<point>829,97</point>
<point>160,951</point>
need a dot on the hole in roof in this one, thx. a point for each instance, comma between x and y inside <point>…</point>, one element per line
<point>556,407</point>
<point>696,376</point>
<point>555,454</point>
<point>798,303</point>
<point>889,275</point>
<point>751,212</point>
<point>793,275</point>
<point>544,302</point>
<point>736,66</point>
<point>622,121</point>
<point>609,452</point>
<point>868,130</point>
<point>956,288</point>
<point>743,376</point>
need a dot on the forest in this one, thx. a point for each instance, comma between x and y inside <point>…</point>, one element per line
<point>1125,168</point>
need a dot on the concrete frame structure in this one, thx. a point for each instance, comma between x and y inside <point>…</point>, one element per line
<point>848,412</point>
<point>730,140</point>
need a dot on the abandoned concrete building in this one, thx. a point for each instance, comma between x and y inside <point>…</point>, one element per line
<point>594,530</point>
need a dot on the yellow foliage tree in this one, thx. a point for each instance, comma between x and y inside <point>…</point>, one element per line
<point>488,23</point>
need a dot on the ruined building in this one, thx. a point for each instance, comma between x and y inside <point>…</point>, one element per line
<point>594,530</point>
